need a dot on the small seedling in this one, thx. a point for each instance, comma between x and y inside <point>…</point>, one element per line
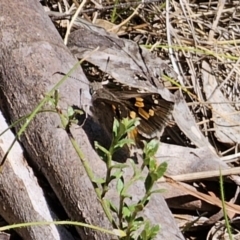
<point>128,212</point>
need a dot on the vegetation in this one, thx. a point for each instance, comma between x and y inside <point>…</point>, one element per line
<point>200,41</point>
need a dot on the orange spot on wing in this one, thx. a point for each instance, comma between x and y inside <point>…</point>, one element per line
<point>151,112</point>
<point>133,135</point>
<point>143,113</point>
<point>132,115</point>
<point>139,102</point>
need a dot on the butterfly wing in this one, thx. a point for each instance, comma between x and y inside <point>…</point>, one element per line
<point>152,110</point>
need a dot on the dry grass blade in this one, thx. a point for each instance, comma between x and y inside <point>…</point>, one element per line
<point>73,20</point>
<point>202,175</point>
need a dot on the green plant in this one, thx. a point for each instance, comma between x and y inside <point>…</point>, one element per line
<point>228,226</point>
<point>128,212</point>
<point>114,12</point>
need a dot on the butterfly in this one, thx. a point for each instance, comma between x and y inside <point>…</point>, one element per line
<point>113,99</point>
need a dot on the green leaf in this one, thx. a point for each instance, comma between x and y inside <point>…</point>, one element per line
<point>151,148</point>
<point>70,112</point>
<point>148,183</point>
<point>125,141</point>
<point>115,126</point>
<point>117,173</point>
<point>130,122</point>
<point>127,125</point>
<point>152,164</point>
<point>139,207</point>
<point>98,180</point>
<point>149,233</point>
<point>126,212</point>
<point>146,201</point>
<point>120,133</point>
<point>155,229</point>
<point>79,111</point>
<point>145,233</point>
<point>162,168</point>
<point>132,207</point>
<point>121,130</point>
<point>154,176</point>
<point>137,223</point>
<point>139,220</point>
<point>153,232</point>
<point>120,185</point>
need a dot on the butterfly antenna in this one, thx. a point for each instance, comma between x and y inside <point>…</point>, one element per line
<point>64,74</point>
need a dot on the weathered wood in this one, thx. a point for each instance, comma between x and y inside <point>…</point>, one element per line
<point>22,199</point>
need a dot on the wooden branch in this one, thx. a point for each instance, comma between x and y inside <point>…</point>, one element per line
<point>22,200</point>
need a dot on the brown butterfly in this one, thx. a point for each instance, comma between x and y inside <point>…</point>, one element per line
<point>113,99</point>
